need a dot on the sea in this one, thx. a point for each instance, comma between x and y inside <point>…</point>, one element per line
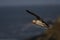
<point>16,23</point>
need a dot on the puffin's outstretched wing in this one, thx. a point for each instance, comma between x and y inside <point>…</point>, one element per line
<point>34,14</point>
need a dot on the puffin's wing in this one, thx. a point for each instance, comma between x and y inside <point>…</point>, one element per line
<point>33,14</point>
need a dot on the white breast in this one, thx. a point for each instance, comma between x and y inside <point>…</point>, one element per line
<point>38,22</point>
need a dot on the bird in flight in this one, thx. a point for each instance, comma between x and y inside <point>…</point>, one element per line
<point>38,21</point>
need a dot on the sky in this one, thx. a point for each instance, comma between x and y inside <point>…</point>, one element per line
<point>28,2</point>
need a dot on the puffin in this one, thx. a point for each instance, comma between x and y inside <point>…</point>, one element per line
<point>38,21</point>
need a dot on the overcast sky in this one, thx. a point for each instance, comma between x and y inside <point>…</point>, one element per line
<point>28,2</point>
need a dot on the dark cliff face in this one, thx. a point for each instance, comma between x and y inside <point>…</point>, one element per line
<point>16,23</point>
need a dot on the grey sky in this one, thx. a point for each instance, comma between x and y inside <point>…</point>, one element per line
<point>28,2</point>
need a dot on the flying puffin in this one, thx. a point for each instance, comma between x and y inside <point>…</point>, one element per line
<point>38,20</point>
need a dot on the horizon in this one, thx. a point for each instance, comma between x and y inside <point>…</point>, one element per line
<point>28,2</point>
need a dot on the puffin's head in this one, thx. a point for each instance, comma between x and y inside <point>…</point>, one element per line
<point>34,21</point>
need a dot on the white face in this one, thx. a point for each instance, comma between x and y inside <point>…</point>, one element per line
<point>34,21</point>
<point>38,22</point>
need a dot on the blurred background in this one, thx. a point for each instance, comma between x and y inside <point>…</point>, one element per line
<point>16,23</point>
